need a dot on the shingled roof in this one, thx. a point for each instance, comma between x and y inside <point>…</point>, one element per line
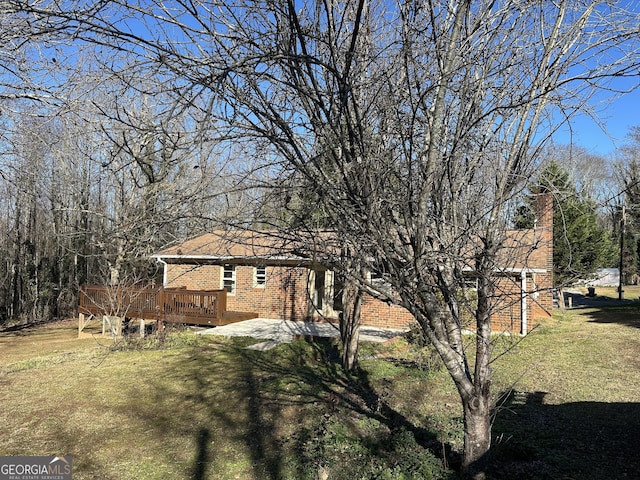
<point>523,249</point>
<point>230,244</point>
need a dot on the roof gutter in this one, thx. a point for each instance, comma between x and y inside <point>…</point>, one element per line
<point>230,259</point>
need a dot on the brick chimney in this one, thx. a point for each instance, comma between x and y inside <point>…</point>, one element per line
<point>542,303</point>
<point>544,226</point>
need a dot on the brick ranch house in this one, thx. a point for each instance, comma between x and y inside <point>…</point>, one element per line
<point>260,277</point>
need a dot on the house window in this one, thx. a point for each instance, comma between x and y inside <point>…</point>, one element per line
<point>338,287</point>
<point>470,284</point>
<point>376,278</point>
<point>470,288</point>
<point>259,277</point>
<point>229,278</point>
<point>319,284</point>
<point>379,283</point>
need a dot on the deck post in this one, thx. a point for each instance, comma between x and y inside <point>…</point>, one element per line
<point>523,303</point>
<point>113,324</point>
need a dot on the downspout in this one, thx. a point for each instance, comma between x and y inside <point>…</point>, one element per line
<point>164,271</point>
<point>523,303</point>
<point>161,318</point>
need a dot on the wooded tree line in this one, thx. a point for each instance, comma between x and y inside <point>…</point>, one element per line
<point>409,129</point>
<point>87,207</point>
<point>590,193</point>
<point>91,187</point>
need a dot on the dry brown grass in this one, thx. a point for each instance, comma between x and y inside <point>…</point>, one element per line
<point>206,408</point>
<point>571,406</point>
<point>189,407</point>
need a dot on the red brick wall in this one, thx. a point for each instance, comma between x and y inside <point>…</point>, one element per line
<point>376,313</point>
<point>194,277</point>
<point>285,296</point>
<point>542,301</point>
<point>507,315</point>
<point>506,310</point>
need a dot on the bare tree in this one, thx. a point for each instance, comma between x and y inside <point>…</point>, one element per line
<point>410,126</point>
<point>96,176</point>
<point>411,130</point>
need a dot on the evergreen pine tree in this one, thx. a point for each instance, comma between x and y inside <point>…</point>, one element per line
<point>580,244</point>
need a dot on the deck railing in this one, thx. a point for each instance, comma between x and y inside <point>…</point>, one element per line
<point>202,307</point>
<point>198,306</point>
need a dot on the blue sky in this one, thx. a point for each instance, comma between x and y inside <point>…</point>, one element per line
<point>618,116</point>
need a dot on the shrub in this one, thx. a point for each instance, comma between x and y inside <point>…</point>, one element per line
<point>335,449</point>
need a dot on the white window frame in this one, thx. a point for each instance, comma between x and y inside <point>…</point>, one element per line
<point>470,284</point>
<point>375,277</point>
<point>378,282</point>
<point>260,276</point>
<point>319,295</point>
<point>231,279</point>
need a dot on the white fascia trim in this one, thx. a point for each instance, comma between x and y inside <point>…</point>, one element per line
<point>225,258</point>
<point>164,271</point>
<point>524,270</point>
<point>514,270</point>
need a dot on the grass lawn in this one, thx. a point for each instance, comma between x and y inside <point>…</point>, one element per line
<point>200,407</point>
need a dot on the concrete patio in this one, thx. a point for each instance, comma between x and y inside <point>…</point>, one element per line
<point>284,331</point>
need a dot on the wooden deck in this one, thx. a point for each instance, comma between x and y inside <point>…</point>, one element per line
<point>194,307</point>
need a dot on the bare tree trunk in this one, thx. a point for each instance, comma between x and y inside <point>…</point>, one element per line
<point>16,267</point>
<point>350,324</point>
<point>477,405</point>
<point>477,437</point>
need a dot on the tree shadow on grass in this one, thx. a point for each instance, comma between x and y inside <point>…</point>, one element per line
<point>624,314</point>
<point>607,310</point>
<point>212,399</point>
<point>585,440</point>
<point>336,392</point>
<point>233,404</point>
<point>203,454</point>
